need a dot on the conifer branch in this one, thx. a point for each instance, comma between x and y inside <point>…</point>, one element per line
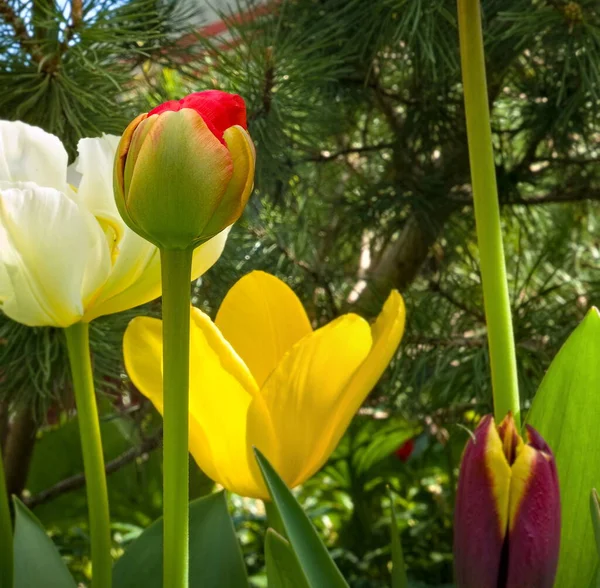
<point>78,480</point>
<point>11,18</point>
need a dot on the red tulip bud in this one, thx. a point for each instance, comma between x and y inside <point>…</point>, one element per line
<point>184,171</point>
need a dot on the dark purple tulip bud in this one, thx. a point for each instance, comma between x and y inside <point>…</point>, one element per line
<point>507,517</point>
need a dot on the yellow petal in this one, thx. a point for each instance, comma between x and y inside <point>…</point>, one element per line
<point>221,392</point>
<point>387,333</point>
<point>262,318</point>
<point>303,393</point>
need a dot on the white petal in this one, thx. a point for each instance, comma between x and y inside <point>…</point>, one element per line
<point>29,154</point>
<point>135,277</point>
<point>53,256</point>
<point>208,253</point>
<point>95,183</point>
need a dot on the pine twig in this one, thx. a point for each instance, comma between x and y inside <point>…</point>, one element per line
<point>78,480</point>
<point>349,151</point>
<point>25,41</point>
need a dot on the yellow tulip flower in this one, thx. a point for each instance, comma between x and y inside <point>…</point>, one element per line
<point>261,377</point>
<point>65,253</point>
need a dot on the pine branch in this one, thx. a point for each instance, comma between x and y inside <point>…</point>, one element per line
<point>78,481</point>
<point>18,26</point>
<point>556,196</point>
<point>322,157</point>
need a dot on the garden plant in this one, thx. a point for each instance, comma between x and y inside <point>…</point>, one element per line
<point>307,302</point>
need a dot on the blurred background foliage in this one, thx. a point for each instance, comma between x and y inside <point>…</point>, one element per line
<point>362,185</point>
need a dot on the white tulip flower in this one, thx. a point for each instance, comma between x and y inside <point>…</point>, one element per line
<point>65,254</point>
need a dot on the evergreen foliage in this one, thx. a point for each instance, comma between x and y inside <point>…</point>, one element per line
<point>362,185</point>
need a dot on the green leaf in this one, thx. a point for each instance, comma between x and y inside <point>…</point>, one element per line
<point>595,511</point>
<point>311,553</point>
<point>399,579</point>
<point>37,561</point>
<point>565,411</point>
<point>283,570</point>
<point>215,556</point>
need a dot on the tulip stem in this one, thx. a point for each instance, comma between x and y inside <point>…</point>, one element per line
<point>78,345</point>
<point>176,276</point>
<point>487,214</point>
<point>6,538</point>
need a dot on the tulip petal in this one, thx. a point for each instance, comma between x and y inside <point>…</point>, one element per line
<point>142,350</point>
<point>305,390</point>
<point>30,154</point>
<point>219,110</point>
<point>47,280</point>
<point>194,156</point>
<point>386,333</point>
<point>134,278</point>
<point>262,319</point>
<point>95,188</point>
<point>240,186</point>
<point>481,510</point>
<point>534,532</point>
<point>221,391</point>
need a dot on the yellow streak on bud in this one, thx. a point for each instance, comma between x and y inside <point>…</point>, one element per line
<point>500,473</point>
<point>521,472</point>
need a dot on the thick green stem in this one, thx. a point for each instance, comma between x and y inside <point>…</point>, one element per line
<point>6,539</point>
<point>176,276</point>
<point>78,345</point>
<point>487,213</point>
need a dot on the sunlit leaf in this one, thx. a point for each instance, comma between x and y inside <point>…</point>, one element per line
<point>566,411</point>
<point>37,561</point>
<point>311,553</point>
<point>283,570</point>
<point>215,557</point>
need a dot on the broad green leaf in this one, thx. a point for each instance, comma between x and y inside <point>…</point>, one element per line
<point>37,561</point>
<point>399,579</point>
<point>283,570</point>
<point>215,556</point>
<point>566,412</point>
<point>595,512</point>
<point>312,555</point>
<point>134,490</point>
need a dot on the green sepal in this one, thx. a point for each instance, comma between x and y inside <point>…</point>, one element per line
<point>308,548</point>
<point>283,570</point>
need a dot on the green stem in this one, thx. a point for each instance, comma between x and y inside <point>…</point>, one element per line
<point>274,519</point>
<point>176,276</point>
<point>487,213</point>
<point>78,345</point>
<point>6,539</point>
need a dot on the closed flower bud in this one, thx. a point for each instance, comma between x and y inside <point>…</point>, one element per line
<point>507,516</point>
<point>184,171</point>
